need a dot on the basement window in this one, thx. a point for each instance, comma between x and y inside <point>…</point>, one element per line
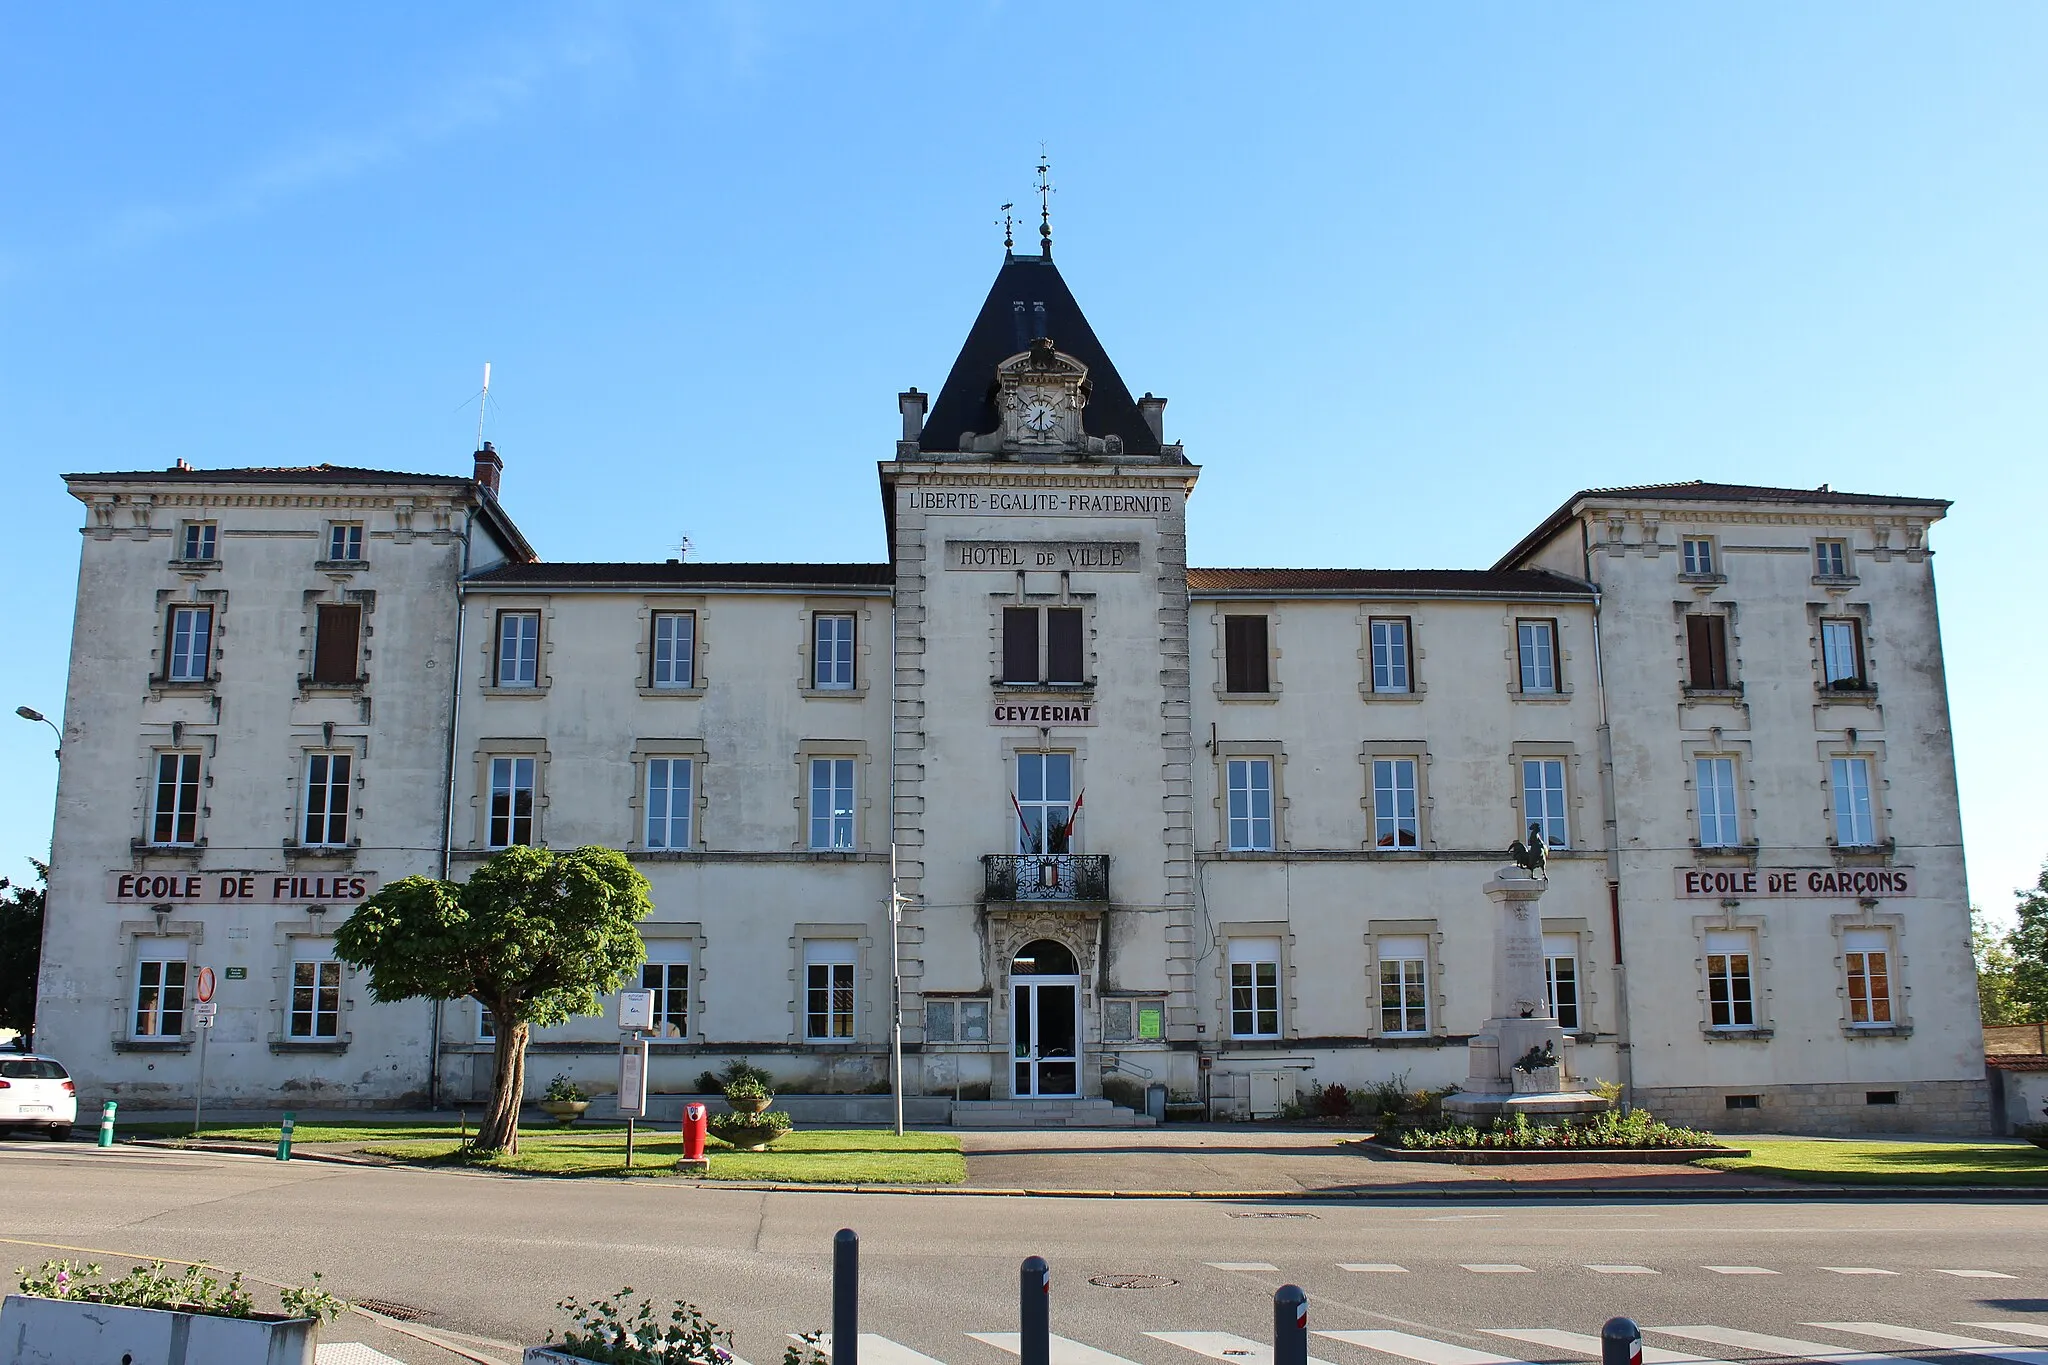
<point>1880,1097</point>
<point>1744,1101</point>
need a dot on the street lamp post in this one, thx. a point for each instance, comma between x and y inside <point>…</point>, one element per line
<point>30,713</point>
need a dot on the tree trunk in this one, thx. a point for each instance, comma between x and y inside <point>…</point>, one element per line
<point>499,1129</point>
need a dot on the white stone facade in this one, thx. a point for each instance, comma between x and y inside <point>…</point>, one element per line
<point>1252,812</point>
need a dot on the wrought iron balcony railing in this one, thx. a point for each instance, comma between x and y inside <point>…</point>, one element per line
<point>1056,877</point>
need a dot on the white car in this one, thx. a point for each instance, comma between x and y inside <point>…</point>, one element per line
<point>37,1092</point>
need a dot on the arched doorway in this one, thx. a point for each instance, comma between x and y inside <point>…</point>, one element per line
<point>1045,1020</point>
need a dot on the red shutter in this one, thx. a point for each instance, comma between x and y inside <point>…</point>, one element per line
<point>336,634</point>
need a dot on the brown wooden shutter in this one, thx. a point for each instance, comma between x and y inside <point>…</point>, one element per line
<point>1706,644</point>
<point>336,635</point>
<point>1020,645</point>
<point>1244,654</point>
<point>1063,645</point>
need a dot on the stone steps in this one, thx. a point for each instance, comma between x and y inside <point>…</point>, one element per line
<point>1024,1113</point>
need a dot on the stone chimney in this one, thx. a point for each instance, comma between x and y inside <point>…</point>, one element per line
<point>489,469</point>
<point>913,405</point>
<point>1154,412</point>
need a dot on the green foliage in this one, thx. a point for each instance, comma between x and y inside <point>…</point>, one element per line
<point>562,1090</point>
<point>1610,1130</point>
<point>736,1071</point>
<point>2028,944</point>
<point>1607,1090</point>
<point>745,1130</point>
<point>747,1088</point>
<point>21,949</point>
<point>613,1331</point>
<point>805,1350</point>
<point>1996,1002</point>
<point>154,1286</point>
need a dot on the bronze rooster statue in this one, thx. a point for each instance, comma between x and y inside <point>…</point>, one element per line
<point>1534,855</point>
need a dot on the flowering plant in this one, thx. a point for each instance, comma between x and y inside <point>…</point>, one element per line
<point>612,1332</point>
<point>154,1286</point>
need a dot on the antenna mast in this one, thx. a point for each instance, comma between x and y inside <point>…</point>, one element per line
<point>483,404</point>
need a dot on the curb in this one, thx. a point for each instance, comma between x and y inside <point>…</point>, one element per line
<point>250,1149</point>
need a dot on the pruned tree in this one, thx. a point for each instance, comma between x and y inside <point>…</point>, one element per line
<point>1995,1002</point>
<point>534,936</point>
<point>21,949</point>
<point>2028,945</point>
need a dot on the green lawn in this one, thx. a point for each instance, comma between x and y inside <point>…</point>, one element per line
<point>825,1157</point>
<point>1892,1163</point>
<point>354,1134</point>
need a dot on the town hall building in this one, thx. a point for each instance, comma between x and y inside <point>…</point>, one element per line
<point>1222,830</point>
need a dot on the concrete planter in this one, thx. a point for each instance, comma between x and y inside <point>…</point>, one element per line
<point>35,1330</point>
<point>757,1105</point>
<point>541,1355</point>
<point>564,1111</point>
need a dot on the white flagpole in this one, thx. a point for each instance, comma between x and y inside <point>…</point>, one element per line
<point>895,991</point>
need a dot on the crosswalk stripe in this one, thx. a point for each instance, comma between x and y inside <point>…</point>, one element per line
<point>1779,1346</point>
<point>1622,1269</point>
<point>1423,1349</point>
<point>1738,1270</point>
<point>351,1353</point>
<point>1502,1268</point>
<point>1580,1344</point>
<point>1240,1265</point>
<point>1978,1274</point>
<point>1856,1270</point>
<point>2018,1329</point>
<point>1064,1352</point>
<point>1224,1346</point>
<point>1373,1267</point>
<point>1912,1336</point>
<point>877,1348</point>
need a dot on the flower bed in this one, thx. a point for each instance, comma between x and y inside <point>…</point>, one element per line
<point>1635,1130</point>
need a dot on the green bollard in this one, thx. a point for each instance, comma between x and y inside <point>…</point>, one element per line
<point>107,1124</point>
<point>284,1139</point>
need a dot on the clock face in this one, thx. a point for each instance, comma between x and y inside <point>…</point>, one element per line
<point>1041,415</point>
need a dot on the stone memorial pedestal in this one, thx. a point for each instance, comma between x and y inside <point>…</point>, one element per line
<point>1521,1022</point>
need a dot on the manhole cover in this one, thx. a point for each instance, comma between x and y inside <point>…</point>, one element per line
<point>403,1312</point>
<point>1273,1215</point>
<point>1133,1281</point>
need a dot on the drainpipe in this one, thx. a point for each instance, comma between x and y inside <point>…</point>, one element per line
<point>1623,1049</point>
<point>448,801</point>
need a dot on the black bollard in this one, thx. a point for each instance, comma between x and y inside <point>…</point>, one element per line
<point>1034,1312</point>
<point>1290,1325</point>
<point>845,1297</point>
<point>1621,1342</point>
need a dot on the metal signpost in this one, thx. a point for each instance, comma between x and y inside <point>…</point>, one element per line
<point>895,991</point>
<point>636,1016</point>
<point>202,1014</point>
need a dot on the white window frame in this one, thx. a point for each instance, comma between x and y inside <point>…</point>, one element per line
<point>188,644</point>
<point>170,1003</point>
<point>670,972</point>
<point>834,814</point>
<point>1841,650</point>
<point>327,797</point>
<point>1831,558</point>
<point>182,789</point>
<point>200,536</point>
<point>1697,554</point>
<point>670,821</point>
<point>1536,656</point>
<point>1043,813</point>
<point>1561,969</point>
<point>1730,956</point>
<point>1547,804</point>
<point>1869,963</point>
<point>516,660</point>
<point>675,650</point>
<point>831,968</point>
<point>1396,807</point>
<point>1249,808</point>
<point>317,973</point>
<point>1391,654</point>
<point>504,774</point>
<point>1851,789</point>
<point>1408,956</point>
<point>833,638</point>
<point>1254,965</point>
<point>344,542</point>
<point>486,1024</point>
<point>1714,792</point>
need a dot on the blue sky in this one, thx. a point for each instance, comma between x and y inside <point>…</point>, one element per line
<point>1409,275</point>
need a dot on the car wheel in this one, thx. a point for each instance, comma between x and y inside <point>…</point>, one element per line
<point>58,1132</point>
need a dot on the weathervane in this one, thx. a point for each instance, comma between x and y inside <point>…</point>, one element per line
<point>1009,227</point>
<point>1045,193</point>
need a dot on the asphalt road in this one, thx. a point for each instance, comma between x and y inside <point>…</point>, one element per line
<point>1429,1282</point>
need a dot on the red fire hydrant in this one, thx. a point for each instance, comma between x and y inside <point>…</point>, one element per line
<point>695,1119</point>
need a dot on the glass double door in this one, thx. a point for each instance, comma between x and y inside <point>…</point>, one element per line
<point>1045,1026</point>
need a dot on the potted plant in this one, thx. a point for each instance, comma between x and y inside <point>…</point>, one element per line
<point>748,1096</point>
<point>564,1099</point>
<point>613,1331</point>
<point>750,1132</point>
<point>68,1311</point>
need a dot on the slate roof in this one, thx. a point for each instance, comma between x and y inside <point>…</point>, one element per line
<point>311,473</point>
<point>674,574</point>
<point>1029,299</point>
<point>1387,582</point>
<point>1700,490</point>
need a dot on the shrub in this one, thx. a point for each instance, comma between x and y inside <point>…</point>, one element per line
<point>562,1090</point>
<point>745,1130</point>
<point>1333,1102</point>
<point>612,1332</point>
<point>154,1286</point>
<point>746,1088</point>
<point>1610,1130</point>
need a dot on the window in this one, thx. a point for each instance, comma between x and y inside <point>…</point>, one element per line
<point>1536,649</point>
<point>199,541</point>
<point>1714,780</point>
<point>1395,822</point>
<point>1543,799</point>
<point>344,541</point>
<point>832,804</point>
<point>956,1021</point>
<point>1404,989</point>
<point>1390,654</point>
<point>1245,655</point>
<point>670,982</point>
<point>1706,648</point>
<point>828,989</point>
<point>671,801</point>
<point>160,990</point>
<point>486,1024</point>
<point>1250,783</point>
<point>1051,634</point>
<point>191,644</point>
<point>337,632</point>
<point>675,649</point>
<point>1867,954</point>
<point>1698,556</point>
<point>328,788</point>
<point>316,993</point>
<point>511,802</point>
<point>1841,652</point>
<point>1255,988</point>
<point>1855,824</point>
<point>1044,800</point>
<point>1831,558</point>
<point>1730,994</point>
<point>1561,979</point>
<point>174,819</point>
<point>518,649</point>
<point>832,652</point>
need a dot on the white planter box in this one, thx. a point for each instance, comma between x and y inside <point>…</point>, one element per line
<point>541,1355</point>
<point>35,1330</point>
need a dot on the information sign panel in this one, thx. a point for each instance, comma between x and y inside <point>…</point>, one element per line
<point>633,1078</point>
<point>636,1010</point>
